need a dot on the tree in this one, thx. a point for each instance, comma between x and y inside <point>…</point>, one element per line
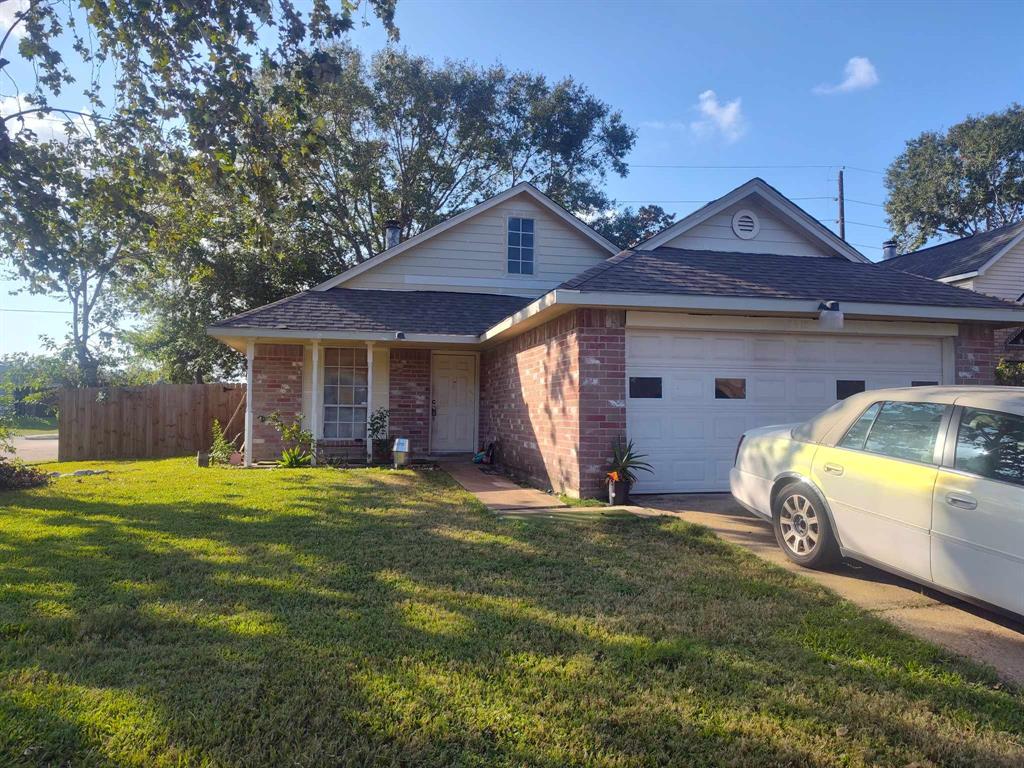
<point>83,234</point>
<point>627,227</point>
<point>399,137</point>
<point>961,182</point>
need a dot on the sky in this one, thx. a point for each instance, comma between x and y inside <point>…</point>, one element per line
<point>721,92</point>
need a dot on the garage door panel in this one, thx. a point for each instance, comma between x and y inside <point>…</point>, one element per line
<point>690,436</point>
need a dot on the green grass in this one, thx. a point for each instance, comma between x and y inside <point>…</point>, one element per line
<point>33,425</point>
<point>165,615</point>
<point>572,501</point>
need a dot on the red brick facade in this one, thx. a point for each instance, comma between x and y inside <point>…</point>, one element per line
<point>409,398</point>
<point>277,386</point>
<point>553,399</point>
<point>1002,339</point>
<point>976,354</point>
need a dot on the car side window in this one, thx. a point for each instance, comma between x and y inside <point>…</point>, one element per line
<point>991,444</point>
<point>857,434</point>
<point>906,431</point>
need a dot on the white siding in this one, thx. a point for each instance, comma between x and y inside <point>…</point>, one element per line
<point>471,257</point>
<point>1005,278</point>
<point>776,235</point>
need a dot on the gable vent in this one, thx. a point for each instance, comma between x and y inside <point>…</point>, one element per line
<point>745,224</point>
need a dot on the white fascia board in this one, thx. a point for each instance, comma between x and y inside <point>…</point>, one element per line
<point>775,306</point>
<point>274,335</point>
<point>531,310</point>
<point>444,226</point>
<point>957,278</point>
<point>772,197</point>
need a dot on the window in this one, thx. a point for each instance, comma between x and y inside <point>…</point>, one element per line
<point>858,433</point>
<point>991,444</point>
<point>847,387</point>
<point>924,383</point>
<point>520,246</point>
<point>645,387</point>
<point>345,393</point>
<point>730,389</point>
<point>906,431</point>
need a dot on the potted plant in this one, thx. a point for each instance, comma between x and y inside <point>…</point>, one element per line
<point>622,472</point>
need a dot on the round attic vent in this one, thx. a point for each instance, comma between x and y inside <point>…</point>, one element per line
<point>745,224</point>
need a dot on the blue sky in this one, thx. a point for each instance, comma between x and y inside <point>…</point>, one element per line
<point>774,73</point>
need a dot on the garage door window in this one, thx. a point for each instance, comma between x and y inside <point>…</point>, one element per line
<point>906,431</point>
<point>991,444</point>
<point>645,387</point>
<point>847,387</point>
<point>730,389</point>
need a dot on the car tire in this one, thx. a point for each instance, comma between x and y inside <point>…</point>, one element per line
<point>802,528</point>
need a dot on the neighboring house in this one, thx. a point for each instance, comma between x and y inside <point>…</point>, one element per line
<point>514,322</point>
<point>990,262</point>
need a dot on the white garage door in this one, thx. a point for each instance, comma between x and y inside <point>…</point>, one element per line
<point>692,394</point>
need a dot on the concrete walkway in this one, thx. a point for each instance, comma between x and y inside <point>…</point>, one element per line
<point>495,490</point>
<point>946,621</point>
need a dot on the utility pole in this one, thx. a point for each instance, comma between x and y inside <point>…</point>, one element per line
<point>842,208</point>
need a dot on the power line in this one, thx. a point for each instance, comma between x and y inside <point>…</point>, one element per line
<point>37,311</point>
<point>864,202</point>
<point>753,167</point>
<point>821,197</point>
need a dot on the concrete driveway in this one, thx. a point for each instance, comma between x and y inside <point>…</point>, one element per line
<point>36,448</point>
<point>946,621</point>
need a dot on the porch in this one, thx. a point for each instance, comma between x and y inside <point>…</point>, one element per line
<point>334,386</point>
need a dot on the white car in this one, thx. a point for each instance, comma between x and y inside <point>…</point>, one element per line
<point>925,482</point>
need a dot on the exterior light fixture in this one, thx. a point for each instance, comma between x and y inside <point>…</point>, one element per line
<point>830,316</point>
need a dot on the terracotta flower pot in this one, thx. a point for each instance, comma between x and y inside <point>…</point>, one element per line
<point>618,492</point>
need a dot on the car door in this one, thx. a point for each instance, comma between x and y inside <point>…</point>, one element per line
<point>878,481</point>
<point>978,515</point>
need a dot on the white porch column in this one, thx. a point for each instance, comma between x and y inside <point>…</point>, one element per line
<point>250,355</point>
<point>369,399</point>
<point>315,395</point>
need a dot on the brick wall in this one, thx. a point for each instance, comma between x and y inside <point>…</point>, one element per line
<point>409,398</point>
<point>554,399</point>
<point>1002,337</point>
<point>602,349</point>
<point>277,386</point>
<point>976,354</point>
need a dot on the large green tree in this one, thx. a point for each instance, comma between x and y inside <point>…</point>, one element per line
<point>965,180</point>
<point>396,137</point>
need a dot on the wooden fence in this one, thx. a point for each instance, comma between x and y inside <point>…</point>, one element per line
<point>144,422</point>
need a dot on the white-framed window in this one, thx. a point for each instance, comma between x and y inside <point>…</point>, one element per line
<point>520,246</point>
<point>345,393</point>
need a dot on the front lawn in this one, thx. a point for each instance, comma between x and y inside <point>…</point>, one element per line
<point>167,615</point>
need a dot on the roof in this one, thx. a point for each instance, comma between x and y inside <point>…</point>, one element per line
<point>964,257</point>
<point>519,189</point>
<point>770,276</point>
<point>774,199</point>
<point>351,309</point>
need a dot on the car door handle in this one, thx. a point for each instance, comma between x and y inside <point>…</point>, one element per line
<point>833,469</point>
<point>961,501</point>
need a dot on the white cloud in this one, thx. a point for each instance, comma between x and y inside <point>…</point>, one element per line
<point>724,119</point>
<point>859,74</point>
<point>7,10</point>
<point>46,127</point>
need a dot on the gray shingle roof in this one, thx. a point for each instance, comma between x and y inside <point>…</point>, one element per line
<point>769,276</point>
<point>958,257</point>
<point>350,309</point>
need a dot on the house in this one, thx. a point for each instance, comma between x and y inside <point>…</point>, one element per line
<point>991,262</point>
<point>514,322</point>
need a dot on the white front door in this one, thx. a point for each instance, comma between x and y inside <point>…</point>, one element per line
<point>691,394</point>
<point>453,404</point>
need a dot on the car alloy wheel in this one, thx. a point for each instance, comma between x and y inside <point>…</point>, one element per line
<point>798,521</point>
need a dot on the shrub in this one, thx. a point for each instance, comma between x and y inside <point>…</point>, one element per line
<point>15,474</point>
<point>298,441</point>
<point>221,449</point>
<point>1010,373</point>
<point>294,457</point>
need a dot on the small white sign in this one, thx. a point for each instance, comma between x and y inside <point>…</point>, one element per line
<point>402,444</point>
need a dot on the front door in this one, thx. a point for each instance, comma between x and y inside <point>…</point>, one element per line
<point>453,404</point>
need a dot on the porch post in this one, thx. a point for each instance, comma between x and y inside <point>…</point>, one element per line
<point>250,355</point>
<point>314,400</point>
<point>369,400</point>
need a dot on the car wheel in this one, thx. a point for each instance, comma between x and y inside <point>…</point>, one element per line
<point>802,528</point>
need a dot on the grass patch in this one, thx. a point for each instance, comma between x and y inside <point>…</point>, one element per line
<point>572,501</point>
<point>168,615</point>
<point>33,425</point>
